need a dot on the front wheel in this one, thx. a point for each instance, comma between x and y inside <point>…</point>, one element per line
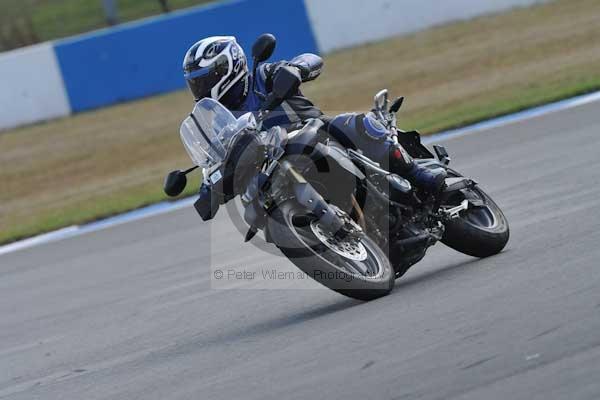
<point>480,231</point>
<point>356,268</point>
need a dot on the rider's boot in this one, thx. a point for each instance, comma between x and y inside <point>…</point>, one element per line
<point>426,179</point>
<point>429,180</point>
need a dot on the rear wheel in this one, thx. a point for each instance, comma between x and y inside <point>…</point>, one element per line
<point>480,231</point>
<point>356,268</point>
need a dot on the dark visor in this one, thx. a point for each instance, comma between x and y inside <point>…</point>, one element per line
<point>201,81</point>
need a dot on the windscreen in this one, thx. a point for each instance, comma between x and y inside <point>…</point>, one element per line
<point>207,131</point>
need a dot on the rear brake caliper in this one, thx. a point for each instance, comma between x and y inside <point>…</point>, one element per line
<point>454,212</point>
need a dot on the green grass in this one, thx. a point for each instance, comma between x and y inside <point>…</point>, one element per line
<point>468,114</point>
<point>134,197</point>
<point>53,19</point>
<point>92,165</point>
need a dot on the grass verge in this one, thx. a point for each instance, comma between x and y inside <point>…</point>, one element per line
<point>96,164</point>
<point>29,21</point>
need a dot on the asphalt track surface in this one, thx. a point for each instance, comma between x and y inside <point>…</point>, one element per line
<point>132,312</point>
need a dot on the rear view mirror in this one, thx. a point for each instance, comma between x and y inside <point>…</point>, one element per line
<point>396,105</point>
<point>175,183</point>
<point>264,47</point>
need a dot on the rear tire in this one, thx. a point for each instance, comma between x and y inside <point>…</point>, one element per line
<point>289,230</point>
<point>477,235</point>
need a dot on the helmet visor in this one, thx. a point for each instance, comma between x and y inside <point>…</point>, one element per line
<point>201,81</point>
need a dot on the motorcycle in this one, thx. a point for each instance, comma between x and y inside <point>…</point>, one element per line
<point>339,216</point>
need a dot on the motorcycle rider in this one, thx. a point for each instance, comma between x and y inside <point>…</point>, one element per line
<point>217,67</point>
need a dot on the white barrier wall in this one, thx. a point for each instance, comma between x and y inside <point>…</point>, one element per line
<point>31,86</point>
<point>344,23</point>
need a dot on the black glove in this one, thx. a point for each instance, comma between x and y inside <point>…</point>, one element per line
<point>286,81</point>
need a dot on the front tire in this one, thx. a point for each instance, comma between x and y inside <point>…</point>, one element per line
<point>361,272</point>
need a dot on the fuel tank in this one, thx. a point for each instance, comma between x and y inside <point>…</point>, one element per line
<point>360,131</point>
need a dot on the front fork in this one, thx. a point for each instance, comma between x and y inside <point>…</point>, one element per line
<point>256,204</point>
<point>308,197</point>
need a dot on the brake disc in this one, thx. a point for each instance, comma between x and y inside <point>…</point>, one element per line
<point>349,247</point>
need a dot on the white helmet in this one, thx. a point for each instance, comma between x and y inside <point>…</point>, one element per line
<point>216,67</point>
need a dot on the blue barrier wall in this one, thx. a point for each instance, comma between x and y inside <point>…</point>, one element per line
<point>144,58</point>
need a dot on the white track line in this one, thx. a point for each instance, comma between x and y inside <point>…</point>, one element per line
<point>514,118</point>
<point>167,207</point>
<point>76,230</point>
